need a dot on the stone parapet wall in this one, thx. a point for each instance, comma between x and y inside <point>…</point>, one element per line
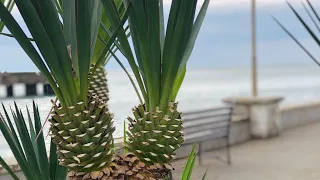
<point>9,79</point>
<point>23,84</point>
<point>300,114</point>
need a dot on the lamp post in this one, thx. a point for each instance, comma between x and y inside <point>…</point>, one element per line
<point>254,49</point>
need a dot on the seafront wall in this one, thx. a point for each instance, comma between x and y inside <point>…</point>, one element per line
<point>291,117</point>
<point>299,115</point>
<point>23,84</point>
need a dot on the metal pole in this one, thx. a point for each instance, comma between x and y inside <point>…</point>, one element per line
<point>254,56</point>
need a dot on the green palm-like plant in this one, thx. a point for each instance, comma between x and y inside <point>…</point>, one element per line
<point>9,5</point>
<point>315,19</point>
<point>187,172</point>
<point>81,124</point>
<point>29,151</point>
<point>159,65</point>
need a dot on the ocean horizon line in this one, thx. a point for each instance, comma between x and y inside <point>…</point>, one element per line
<point>218,67</point>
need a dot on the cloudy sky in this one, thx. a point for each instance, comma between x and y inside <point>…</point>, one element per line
<point>224,40</point>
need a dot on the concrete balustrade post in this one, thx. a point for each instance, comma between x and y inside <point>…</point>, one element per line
<point>19,90</point>
<point>3,91</point>
<point>264,114</point>
<point>40,89</point>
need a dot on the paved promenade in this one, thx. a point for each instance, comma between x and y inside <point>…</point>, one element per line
<point>295,155</point>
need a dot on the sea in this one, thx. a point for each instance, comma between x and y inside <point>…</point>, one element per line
<point>201,89</point>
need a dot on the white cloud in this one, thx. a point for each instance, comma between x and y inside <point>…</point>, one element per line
<point>230,6</point>
<point>242,2</point>
<point>245,2</point>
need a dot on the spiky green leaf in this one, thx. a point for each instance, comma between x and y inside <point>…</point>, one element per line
<point>186,175</point>
<point>6,167</point>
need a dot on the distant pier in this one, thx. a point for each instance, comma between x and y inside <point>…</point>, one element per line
<point>23,84</point>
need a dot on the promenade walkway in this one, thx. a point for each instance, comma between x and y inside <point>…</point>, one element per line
<point>295,155</point>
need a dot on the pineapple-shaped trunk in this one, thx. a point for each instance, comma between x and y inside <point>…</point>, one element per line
<point>98,83</point>
<point>83,134</point>
<point>155,136</point>
<point>127,167</point>
<point>138,170</point>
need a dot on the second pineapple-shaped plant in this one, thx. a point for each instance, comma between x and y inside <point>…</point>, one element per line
<point>98,81</point>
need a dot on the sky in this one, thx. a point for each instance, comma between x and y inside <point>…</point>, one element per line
<point>224,40</point>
